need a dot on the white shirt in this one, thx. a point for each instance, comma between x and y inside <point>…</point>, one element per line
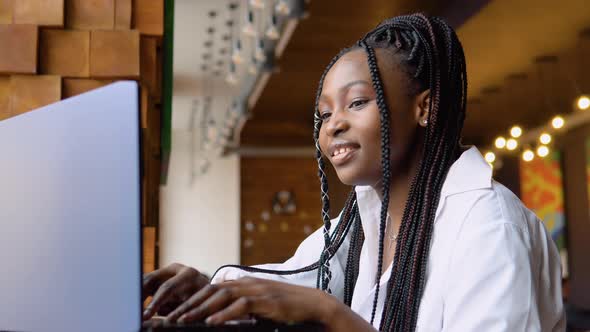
<point>492,265</point>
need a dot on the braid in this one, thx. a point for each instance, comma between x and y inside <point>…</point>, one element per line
<point>385,158</point>
<point>324,273</point>
<point>430,51</point>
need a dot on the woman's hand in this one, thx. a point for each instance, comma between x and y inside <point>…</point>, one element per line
<point>170,286</point>
<point>273,300</point>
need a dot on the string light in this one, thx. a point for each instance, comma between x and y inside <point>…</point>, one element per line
<point>528,155</point>
<point>248,28</point>
<point>231,77</point>
<point>237,53</point>
<point>511,144</point>
<point>583,103</point>
<point>490,157</point>
<point>516,132</point>
<point>500,142</point>
<point>545,138</point>
<point>283,8</point>
<point>253,67</point>
<point>258,4</point>
<point>557,122</point>
<point>259,53</point>
<point>272,32</point>
<point>542,151</point>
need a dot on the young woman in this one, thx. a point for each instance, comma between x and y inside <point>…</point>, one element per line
<point>427,241</point>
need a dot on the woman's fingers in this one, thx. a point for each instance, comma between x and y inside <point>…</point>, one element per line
<point>213,303</point>
<point>163,294</point>
<point>195,300</point>
<point>236,310</point>
<point>152,280</point>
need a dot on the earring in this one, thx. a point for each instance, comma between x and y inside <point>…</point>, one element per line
<point>425,122</point>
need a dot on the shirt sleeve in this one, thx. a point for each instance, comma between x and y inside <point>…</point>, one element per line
<point>307,253</point>
<point>493,281</point>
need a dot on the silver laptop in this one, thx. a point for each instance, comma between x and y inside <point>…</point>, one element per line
<point>70,235</point>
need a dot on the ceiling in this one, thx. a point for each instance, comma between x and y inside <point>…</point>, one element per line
<point>501,40</point>
<point>526,61</point>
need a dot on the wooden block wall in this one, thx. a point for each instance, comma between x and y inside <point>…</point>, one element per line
<point>56,49</point>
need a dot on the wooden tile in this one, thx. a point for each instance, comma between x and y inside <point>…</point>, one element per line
<point>149,249</point>
<point>19,49</point>
<point>150,71</point>
<point>30,92</point>
<point>48,13</point>
<point>6,9</point>
<point>65,53</point>
<point>122,14</point>
<point>144,107</point>
<point>4,97</point>
<point>114,54</point>
<point>90,14</point>
<point>75,86</point>
<point>148,17</point>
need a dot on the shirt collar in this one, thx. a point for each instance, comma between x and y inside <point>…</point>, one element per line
<point>469,172</point>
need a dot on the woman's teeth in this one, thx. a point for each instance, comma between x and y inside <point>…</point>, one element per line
<point>342,150</point>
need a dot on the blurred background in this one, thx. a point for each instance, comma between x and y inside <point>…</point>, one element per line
<point>227,94</point>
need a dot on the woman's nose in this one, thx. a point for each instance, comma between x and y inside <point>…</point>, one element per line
<point>338,124</point>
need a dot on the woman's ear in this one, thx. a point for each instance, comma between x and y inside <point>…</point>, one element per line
<point>422,107</point>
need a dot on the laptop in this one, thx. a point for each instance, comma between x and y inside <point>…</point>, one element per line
<point>70,224</point>
<point>70,215</point>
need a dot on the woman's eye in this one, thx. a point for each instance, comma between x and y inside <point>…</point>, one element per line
<point>358,103</point>
<point>325,115</point>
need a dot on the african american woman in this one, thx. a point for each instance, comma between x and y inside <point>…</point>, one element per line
<point>427,240</point>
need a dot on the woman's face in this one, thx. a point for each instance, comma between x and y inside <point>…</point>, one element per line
<point>350,134</point>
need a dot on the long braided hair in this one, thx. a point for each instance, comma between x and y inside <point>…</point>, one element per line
<point>430,53</point>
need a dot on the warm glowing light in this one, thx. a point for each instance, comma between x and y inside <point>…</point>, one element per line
<point>557,122</point>
<point>500,142</point>
<point>258,4</point>
<point>583,103</point>
<point>511,144</point>
<point>490,157</point>
<point>528,155</point>
<point>542,151</point>
<point>545,138</point>
<point>516,131</point>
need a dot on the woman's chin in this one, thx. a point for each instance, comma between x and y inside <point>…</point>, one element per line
<point>353,179</point>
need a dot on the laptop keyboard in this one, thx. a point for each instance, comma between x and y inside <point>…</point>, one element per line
<point>232,326</point>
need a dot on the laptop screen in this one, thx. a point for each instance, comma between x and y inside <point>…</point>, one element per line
<point>70,215</point>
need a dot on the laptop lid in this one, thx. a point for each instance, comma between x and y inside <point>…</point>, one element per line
<point>70,215</point>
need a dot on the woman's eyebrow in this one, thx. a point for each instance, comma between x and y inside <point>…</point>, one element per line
<point>346,87</point>
<point>350,84</point>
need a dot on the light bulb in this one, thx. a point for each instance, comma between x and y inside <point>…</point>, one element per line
<point>272,32</point>
<point>557,122</point>
<point>528,155</point>
<point>259,53</point>
<point>516,131</point>
<point>248,28</point>
<point>236,56</point>
<point>545,138</point>
<point>258,4</point>
<point>500,142</point>
<point>583,103</point>
<point>542,151</point>
<point>490,157</point>
<point>283,8</point>
<point>511,144</point>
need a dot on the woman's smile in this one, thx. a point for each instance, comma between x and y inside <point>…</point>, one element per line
<point>342,152</point>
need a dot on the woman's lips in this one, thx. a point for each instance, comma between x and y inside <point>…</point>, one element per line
<point>343,154</point>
